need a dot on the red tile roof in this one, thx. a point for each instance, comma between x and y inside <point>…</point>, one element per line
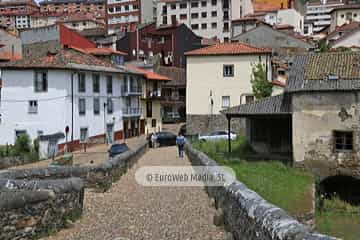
<point>227,49</point>
<point>103,51</point>
<point>264,7</point>
<point>64,59</point>
<point>148,74</point>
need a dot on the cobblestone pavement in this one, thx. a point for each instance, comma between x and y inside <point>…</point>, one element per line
<point>93,155</point>
<point>131,211</point>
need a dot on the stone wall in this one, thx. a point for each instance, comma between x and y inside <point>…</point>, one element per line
<point>313,132</point>
<point>31,209</point>
<point>98,176</point>
<point>7,162</point>
<point>37,202</point>
<point>248,216</point>
<point>203,124</point>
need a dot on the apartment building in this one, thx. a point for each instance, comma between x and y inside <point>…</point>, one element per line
<point>72,6</point>
<point>207,18</point>
<point>124,15</point>
<point>65,90</point>
<point>318,14</point>
<point>17,13</point>
<point>344,15</point>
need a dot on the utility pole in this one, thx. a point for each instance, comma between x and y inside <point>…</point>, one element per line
<point>105,106</point>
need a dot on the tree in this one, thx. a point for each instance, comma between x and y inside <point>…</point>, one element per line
<point>261,86</point>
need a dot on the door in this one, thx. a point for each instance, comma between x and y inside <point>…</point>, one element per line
<point>52,148</point>
<point>110,133</point>
<point>142,126</point>
<point>126,129</point>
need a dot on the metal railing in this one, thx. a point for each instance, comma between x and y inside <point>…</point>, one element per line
<point>132,90</point>
<point>131,111</point>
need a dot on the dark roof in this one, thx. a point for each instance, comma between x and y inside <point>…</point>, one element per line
<point>275,105</point>
<point>65,59</point>
<point>310,72</point>
<point>177,75</point>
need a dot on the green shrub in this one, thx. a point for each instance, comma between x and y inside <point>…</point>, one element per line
<point>22,144</point>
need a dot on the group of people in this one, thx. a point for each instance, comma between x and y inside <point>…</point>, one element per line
<point>180,142</point>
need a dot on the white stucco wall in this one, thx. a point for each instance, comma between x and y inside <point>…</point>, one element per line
<point>54,106</point>
<point>205,74</point>
<point>349,41</point>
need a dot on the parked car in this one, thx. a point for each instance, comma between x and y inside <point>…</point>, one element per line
<point>217,135</point>
<point>118,148</point>
<point>166,139</point>
<point>171,117</point>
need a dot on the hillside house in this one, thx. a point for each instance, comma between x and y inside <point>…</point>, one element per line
<point>66,90</point>
<point>219,77</point>
<point>316,121</point>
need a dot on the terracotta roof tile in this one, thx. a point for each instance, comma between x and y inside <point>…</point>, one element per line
<point>148,74</point>
<point>227,49</point>
<point>65,59</point>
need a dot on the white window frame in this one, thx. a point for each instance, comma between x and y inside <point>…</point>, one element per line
<point>33,107</point>
<point>223,101</point>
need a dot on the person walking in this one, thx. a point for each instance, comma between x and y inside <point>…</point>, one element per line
<point>154,140</point>
<point>180,142</point>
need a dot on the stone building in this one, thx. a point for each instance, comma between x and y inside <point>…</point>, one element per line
<point>72,6</point>
<point>219,77</point>
<point>316,121</point>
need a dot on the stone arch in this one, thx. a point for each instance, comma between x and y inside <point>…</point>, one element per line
<point>347,188</point>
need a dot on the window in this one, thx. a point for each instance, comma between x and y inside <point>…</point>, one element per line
<point>225,101</point>
<point>110,107</point>
<point>41,81</point>
<point>33,106</point>
<point>226,39</point>
<point>249,99</point>
<point>194,4</point>
<point>194,15</point>
<point>153,123</point>
<point>203,3</point>
<point>96,106</point>
<point>183,16</point>
<point>96,83</point>
<point>82,106</point>
<point>183,5</point>
<point>109,86</point>
<point>214,13</point>
<point>84,135</point>
<point>214,25</point>
<point>149,109</point>
<point>226,27</point>
<point>228,70</point>
<point>343,141</point>
<point>203,26</point>
<point>204,14</point>
<point>164,20</point>
<point>213,2</point>
<point>173,6</point>
<point>82,82</point>
<point>195,26</point>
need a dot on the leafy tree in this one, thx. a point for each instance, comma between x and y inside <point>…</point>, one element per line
<point>261,86</point>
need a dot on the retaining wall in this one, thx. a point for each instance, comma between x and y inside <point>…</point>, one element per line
<point>37,202</point>
<point>249,216</point>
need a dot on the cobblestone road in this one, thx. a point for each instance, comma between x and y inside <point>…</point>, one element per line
<point>131,211</point>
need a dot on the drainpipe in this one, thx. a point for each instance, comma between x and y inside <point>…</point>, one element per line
<point>72,107</point>
<point>137,43</point>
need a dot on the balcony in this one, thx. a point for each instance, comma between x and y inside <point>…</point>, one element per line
<point>155,95</point>
<point>131,112</point>
<point>131,91</point>
<point>173,98</point>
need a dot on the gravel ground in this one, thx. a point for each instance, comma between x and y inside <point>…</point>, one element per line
<point>129,211</point>
<point>93,155</point>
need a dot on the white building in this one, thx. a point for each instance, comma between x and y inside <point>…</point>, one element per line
<point>69,89</point>
<point>207,18</point>
<point>318,14</point>
<point>124,15</point>
<point>219,77</point>
<point>286,17</point>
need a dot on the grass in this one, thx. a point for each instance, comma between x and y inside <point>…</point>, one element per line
<point>339,219</point>
<point>282,185</point>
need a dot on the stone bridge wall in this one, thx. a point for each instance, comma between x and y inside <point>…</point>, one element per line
<point>37,202</point>
<point>247,215</point>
